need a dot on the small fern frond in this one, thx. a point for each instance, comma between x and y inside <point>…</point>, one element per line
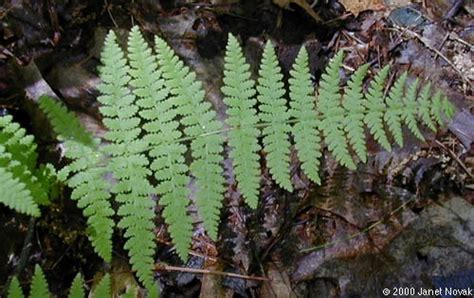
<point>238,91</point>
<point>102,290</point>
<point>329,104</point>
<point>200,124</point>
<point>410,110</point>
<point>273,111</point>
<point>15,291</point>
<point>90,189</point>
<point>305,130</point>
<point>128,163</point>
<point>394,108</point>
<point>376,108</point>
<point>354,105</point>
<point>77,288</point>
<point>39,285</point>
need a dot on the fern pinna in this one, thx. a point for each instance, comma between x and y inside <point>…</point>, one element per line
<point>23,185</point>
<point>84,174</point>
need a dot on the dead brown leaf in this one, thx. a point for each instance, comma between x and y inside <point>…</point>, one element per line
<point>356,6</point>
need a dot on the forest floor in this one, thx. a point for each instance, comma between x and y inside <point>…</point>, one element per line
<point>403,219</point>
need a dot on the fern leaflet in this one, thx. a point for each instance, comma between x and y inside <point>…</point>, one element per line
<point>39,285</point>
<point>15,291</point>
<point>332,113</point>
<point>394,107</point>
<point>200,123</point>
<point>424,107</point>
<point>90,189</point>
<point>376,107</point>
<point>409,111</point>
<point>273,111</point>
<point>103,287</point>
<point>305,130</point>
<point>238,91</point>
<point>77,288</point>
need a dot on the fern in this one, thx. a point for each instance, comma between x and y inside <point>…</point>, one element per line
<point>156,113</point>
<point>23,185</point>
<point>424,105</point>
<point>306,128</point>
<point>332,113</point>
<point>102,290</point>
<point>90,189</point>
<point>128,162</point>
<point>77,288</point>
<point>273,111</point>
<point>354,106</point>
<point>394,107</point>
<point>376,107</point>
<point>39,285</point>
<point>409,112</point>
<point>15,291</point>
<point>238,91</point>
<point>199,122</point>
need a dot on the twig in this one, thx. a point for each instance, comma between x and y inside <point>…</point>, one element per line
<point>162,267</point>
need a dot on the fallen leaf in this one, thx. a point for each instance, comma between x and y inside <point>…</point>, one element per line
<point>356,6</point>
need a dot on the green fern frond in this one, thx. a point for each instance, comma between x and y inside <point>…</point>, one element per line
<point>15,291</point>
<point>102,290</point>
<point>410,110</point>
<point>90,189</point>
<point>128,163</point>
<point>376,108</point>
<point>273,111</point>
<point>329,104</point>
<point>200,124</point>
<point>305,130</point>
<point>394,108</point>
<point>39,285</point>
<point>238,91</point>
<point>354,105</point>
<point>77,288</point>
